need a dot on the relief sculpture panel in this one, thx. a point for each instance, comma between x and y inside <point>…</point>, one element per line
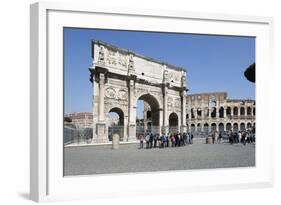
<point>122,94</point>
<point>110,93</point>
<point>116,93</point>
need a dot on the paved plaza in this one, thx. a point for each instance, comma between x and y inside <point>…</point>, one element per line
<point>85,160</point>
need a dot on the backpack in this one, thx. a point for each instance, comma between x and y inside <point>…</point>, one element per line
<point>147,138</point>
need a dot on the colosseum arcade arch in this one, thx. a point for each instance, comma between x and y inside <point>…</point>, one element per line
<point>199,128</point>
<point>213,127</point>
<point>242,126</point>
<point>221,127</point>
<point>206,128</point>
<point>235,127</point>
<point>120,77</point>
<point>221,112</point>
<point>228,127</point>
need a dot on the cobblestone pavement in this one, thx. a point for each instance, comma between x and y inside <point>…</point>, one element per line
<point>85,160</point>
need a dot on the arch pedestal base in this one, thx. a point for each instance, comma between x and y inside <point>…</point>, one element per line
<point>132,133</point>
<point>102,133</point>
<point>183,128</point>
<point>165,130</point>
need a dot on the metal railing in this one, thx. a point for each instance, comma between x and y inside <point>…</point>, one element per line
<point>115,129</point>
<point>76,135</point>
<point>79,135</point>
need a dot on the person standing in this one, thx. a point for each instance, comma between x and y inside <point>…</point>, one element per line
<point>216,136</point>
<point>220,138</point>
<point>167,140</point>
<point>147,137</point>
<point>176,139</point>
<point>141,141</point>
<point>172,140</point>
<point>150,140</point>
<point>239,136</point>
<point>184,139</point>
<point>180,139</point>
<point>251,136</point>
<point>189,137</point>
<point>155,140</point>
<point>162,139</point>
<point>158,141</point>
<point>247,137</point>
<point>231,137</point>
<point>213,137</point>
<point>244,138</point>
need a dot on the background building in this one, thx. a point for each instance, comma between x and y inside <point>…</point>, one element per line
<point>80,119</point>
<point>207,112</point>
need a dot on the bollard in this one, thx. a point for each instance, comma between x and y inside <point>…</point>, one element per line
<point>115,141</point>
<point>210,140</point>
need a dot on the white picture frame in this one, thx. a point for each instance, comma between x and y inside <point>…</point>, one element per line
<point>46,144</point>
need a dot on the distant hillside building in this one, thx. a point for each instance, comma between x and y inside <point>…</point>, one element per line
<point>81,119</point>
<point>85,119</point>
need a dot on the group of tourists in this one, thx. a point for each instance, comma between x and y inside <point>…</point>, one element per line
<point>152,140</point>
<point>162,141</point>
<point>244,137</point>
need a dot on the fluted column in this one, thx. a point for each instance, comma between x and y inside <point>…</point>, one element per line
<point>165,110</point>
<point>132,111</point>
<point>101,127</point>
<point>131,102</point>
<point>160,121</point>
<point>101,97</point>
<point>183,111</point>
<point>125,138</point>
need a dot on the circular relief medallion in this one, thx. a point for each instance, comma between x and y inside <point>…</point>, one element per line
<point>110,93</point>
<point>122,94</point>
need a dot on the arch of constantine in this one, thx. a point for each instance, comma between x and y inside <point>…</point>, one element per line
<point>121,77</point>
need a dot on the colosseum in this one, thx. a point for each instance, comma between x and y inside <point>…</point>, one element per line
<point>207,112</point>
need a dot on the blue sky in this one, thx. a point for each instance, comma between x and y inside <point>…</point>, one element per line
<point>213,63</point>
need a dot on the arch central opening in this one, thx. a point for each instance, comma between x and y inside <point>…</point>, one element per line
<point>147,119</point>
